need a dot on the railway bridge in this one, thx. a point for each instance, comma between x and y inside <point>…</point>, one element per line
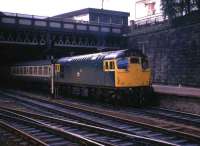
<point>27,36</point>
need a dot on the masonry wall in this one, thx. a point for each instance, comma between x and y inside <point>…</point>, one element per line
<point>174,52</point>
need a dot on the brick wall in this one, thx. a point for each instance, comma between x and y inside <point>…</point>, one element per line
<point>174,53</point>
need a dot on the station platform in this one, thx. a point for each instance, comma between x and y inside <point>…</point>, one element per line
<point>177,90</point>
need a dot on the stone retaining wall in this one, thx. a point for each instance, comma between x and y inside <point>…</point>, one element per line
<point>174,53</point>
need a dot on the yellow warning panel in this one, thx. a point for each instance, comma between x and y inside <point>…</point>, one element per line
<point>57,67</point>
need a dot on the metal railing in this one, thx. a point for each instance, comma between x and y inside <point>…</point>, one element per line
<point>57,19</point>
<point>147,21</point>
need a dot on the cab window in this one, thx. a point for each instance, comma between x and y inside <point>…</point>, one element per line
<point>134,60</point>
<point>145,63</point>
<point>122,63</point>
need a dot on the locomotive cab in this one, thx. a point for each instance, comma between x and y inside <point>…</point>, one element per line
<point>132,72</point>
<point>129,71</point>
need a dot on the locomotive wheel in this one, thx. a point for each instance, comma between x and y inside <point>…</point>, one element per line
<point>115,98</point>
<point>141,97</point>
<point>137,97</point>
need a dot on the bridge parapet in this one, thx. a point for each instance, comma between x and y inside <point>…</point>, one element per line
<point>20,29</point>
<point>23,20</point>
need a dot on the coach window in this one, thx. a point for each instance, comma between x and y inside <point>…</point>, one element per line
<point>27,70</point>
<point>40,70</point>
<point>31,70</point>
<point>35,70</point>
<point>49,69</point>
<point>23,70</point>
<point>46,70</point>
<point>20,70</point>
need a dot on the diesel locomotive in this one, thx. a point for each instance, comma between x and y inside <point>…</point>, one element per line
<point>112,75</point>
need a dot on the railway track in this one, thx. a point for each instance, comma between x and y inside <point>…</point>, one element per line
<point>12,136</point>
<point>116,123</point>
<point>97,134</point>
<point>32,132</point>
<point>166,114</point>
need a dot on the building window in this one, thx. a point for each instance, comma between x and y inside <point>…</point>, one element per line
<point>116,20</point>
<point>94,18</point>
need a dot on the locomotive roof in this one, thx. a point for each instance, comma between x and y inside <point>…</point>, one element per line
<point>102,55</point>
<point>89,57</point>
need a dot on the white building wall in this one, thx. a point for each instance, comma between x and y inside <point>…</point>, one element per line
<point>143,8</point>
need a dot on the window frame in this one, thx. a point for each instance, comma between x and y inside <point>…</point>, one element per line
<point>127,59</point>
<point>107,64</point>
<point>137,60</point>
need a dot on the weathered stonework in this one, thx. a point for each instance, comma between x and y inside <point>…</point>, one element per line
<point>174,53</point>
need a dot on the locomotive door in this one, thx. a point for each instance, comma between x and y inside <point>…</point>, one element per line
<point>98,78</point>
<point>109,72</point>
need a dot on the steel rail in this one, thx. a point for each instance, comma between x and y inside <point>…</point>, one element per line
<point>173,135</point>
<point>111,133</point>
<point>166,114</point>
<point>39,128</point>
<point>22,135</point>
